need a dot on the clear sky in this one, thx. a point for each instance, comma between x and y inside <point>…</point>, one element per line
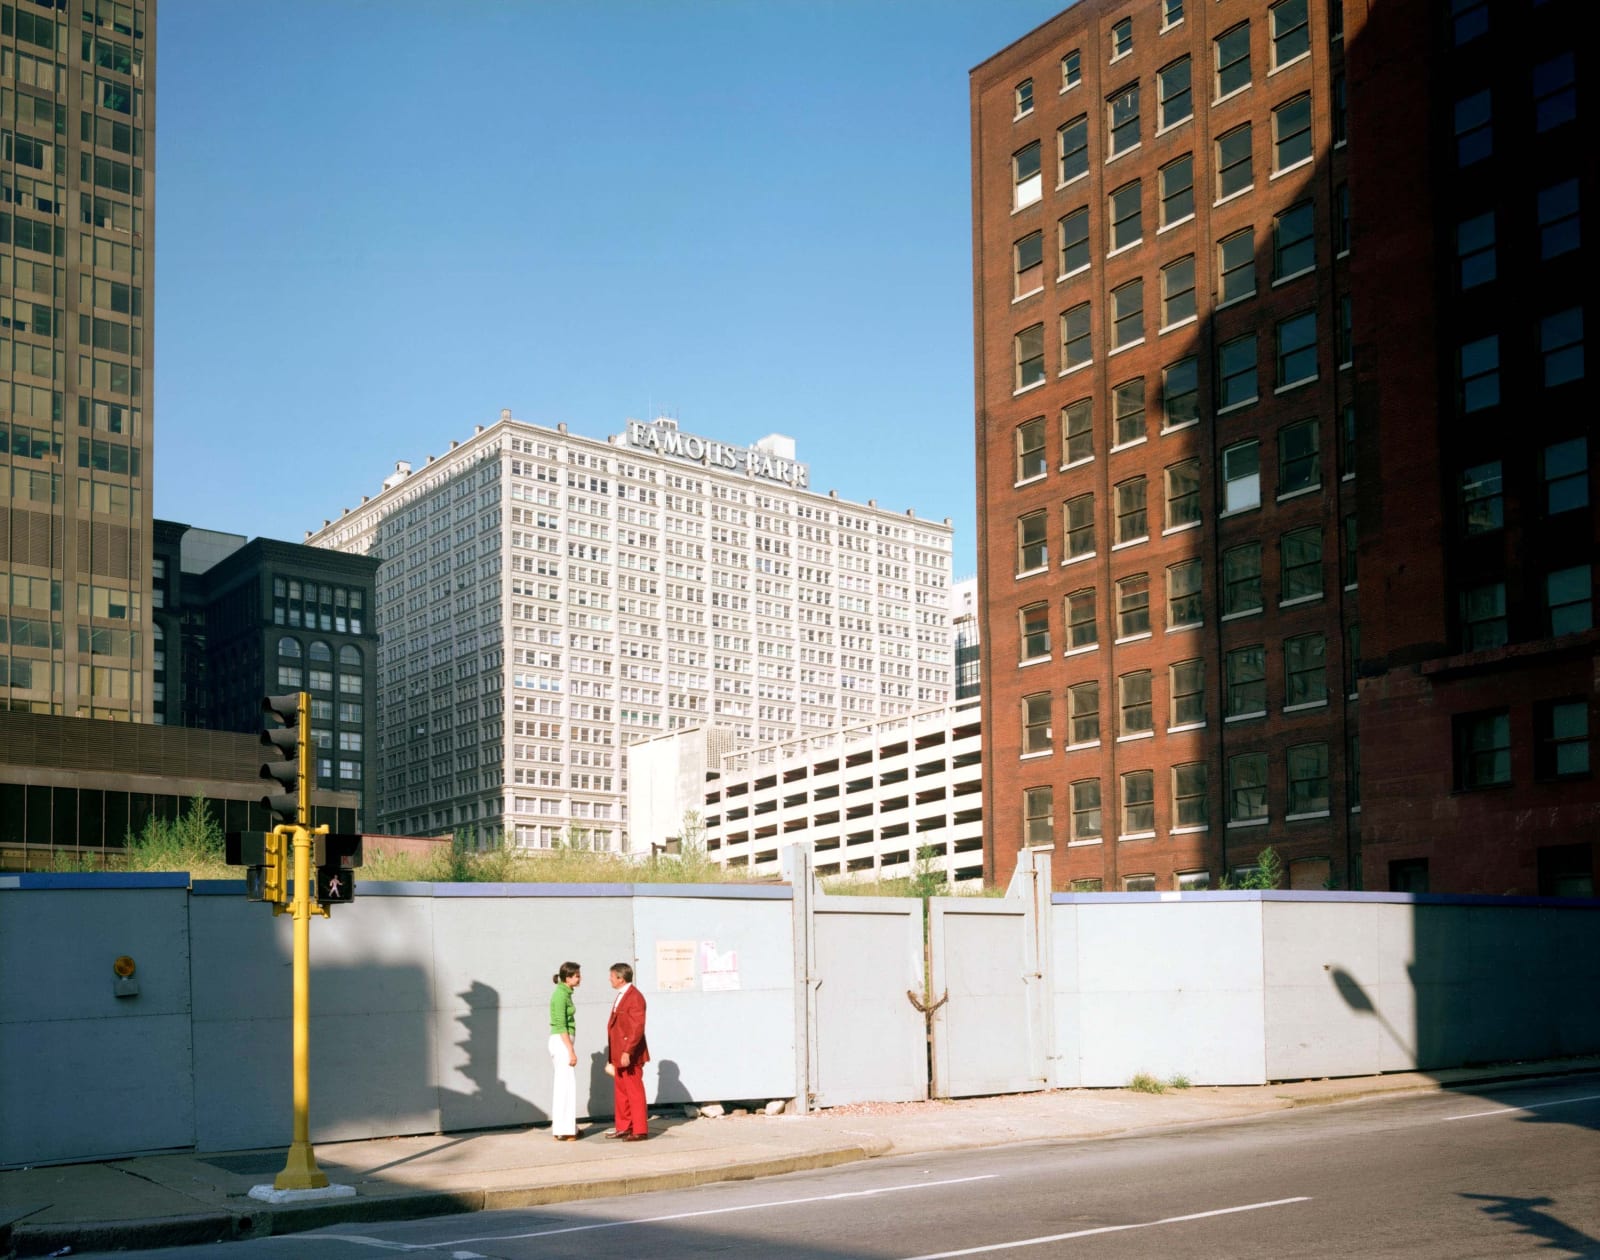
<point>380,222</point>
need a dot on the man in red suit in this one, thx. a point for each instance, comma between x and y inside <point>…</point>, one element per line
<point>627,1053</point>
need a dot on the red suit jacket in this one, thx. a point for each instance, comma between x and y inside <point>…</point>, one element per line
<point>625,1031</point>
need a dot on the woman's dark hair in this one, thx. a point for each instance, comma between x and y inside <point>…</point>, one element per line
<point>568,970</point>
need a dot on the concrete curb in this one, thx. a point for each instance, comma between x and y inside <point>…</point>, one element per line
<point>229,1226</point>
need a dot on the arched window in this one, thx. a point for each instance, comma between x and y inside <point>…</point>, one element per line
<point>289,649</point>
<point>320,651</point>
<point>349,657</point>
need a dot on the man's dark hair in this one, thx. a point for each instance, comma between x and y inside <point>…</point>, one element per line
<point>623,970</point>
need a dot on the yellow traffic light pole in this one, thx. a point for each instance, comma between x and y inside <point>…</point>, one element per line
<point>300,1171</point>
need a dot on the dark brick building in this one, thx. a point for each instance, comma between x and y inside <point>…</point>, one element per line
<point>1256,286</point>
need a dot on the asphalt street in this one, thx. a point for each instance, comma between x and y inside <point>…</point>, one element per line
<point>1509,1173</point>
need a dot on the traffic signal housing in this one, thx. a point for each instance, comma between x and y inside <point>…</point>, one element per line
<point>261,853</point>
<point>336,858</point>
<point>286,733</point>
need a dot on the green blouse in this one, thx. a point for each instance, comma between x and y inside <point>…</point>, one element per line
<point>563,1016</point>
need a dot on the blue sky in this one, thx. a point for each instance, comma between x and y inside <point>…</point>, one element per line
<point>378,223</point>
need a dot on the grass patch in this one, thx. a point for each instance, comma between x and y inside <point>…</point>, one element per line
<point>1144,1083</point>
<point>1179,1081</point>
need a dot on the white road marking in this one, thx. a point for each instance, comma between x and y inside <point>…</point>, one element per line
<point>1109,1229</point>
<point>655,1220</point>
<point>1506,1111</point>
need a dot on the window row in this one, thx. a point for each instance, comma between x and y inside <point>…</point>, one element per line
<point>1304,793</point>
<point>1561,360</point>
<point>1483,743</point>
<point>1299,581</point>
<point>1557,224</point>
<point>1174,101</point>
<point>1566,606</point>
<point>1554,91</point>
<point>1562,486</point>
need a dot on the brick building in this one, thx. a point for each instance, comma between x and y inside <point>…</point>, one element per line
<point>1164,399</point>
<point>1215,407</point>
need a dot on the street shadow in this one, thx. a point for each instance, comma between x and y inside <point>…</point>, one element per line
<point>1526,1215</point>
<point>602,1101</point>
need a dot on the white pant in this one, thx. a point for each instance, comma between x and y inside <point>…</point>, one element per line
<point>564,1099</point>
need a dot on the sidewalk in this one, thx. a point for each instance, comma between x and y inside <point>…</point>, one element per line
<point>168,1200</point>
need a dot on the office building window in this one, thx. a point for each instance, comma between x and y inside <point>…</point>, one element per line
<point>1475,258</point>
<point>1171,13</point>
<point>1561,346</point>
<point>1133,606</point>
<point>1028,255</point>
<point>1024,97</point>
<point>1038,809</point>
<point>1127,221</point>
<point>1032,552</point>
<point>1291,31</point>
<point>1241,476</point>
<point>1072,147</point>
<point>1194,881</point>
<point>1294,247</point>
<point>1555,97</point>
<point>1482,502</point>
<point>1308,780</point>
<point>1122,119</point>
<point>1036,723</point>
<point>1233,60</point>
<point>1474,128</point>
<point>1339,111</point>
<point>1483,749</point>
<point>1188,682</point>
<point>1184,606</point>
<point>1479,368</point>
<point>1083,702</point>
<point>1121,38</point>
<point>1558,219</point>
<point>1076,349</point>
<point>1077,432</point>
<point>1352,540</point>
<point>1183,494</point>
<point>1079,517</point>
<point>1177,190</point>
<point>1029,185</point>
<point>1341,219</point>
<point>1236,267</point>
<point>1568,600</point>
<point>1247,788</point>
<point>1074,242</point>
<point>1180,393</point>
<point>1483,617</point>
<point>1234,171</point>
<point>1236,371</point>
<point>1138,883</point>
<point>1083,627</point>
<point>1034,622</point>
<point>1305,670</point>
<point>1138,803</point>
<point>1177,292</point>
<point>1127,314</point>
<point>1132,517</point>
<point>1561,728</point>
<point>1071,69</point>
<point>1241,579</point>
<point>1352,659</point>
<point>1029,352</point>
<point>1299,464</point>
<point>1301,555</point>
<point>1133,699</point>
<point>1127,411</point>
<point>1469,19</point>
<point>1030,449</point>
<point>1297,349</point>
<point>1172,85</point>
<point>1347,441</point>
<point>1247,682</point>
<point>1291,133</point>
<point>1346,344</point>
<point>1565,468</point>
<point>1086,811</point>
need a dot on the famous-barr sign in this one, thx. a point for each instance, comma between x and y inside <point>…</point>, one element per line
<point>752,460</point>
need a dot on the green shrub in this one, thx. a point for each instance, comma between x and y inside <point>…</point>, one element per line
<point>1144,1083</point>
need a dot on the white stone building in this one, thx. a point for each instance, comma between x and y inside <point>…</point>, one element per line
<point>546,599</point>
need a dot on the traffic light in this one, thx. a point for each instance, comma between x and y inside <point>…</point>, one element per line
<point>336,858</point>
<point>261,853</point>
<point>290,767</point>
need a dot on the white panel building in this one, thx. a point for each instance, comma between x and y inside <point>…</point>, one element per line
<point>547,599</point>
<point>866,799</point>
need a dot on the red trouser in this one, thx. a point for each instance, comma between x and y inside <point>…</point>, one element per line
<point>627,1091</point>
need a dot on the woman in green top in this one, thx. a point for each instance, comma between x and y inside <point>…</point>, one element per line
<point>563,1055</point>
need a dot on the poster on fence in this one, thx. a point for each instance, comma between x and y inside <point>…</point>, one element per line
<point>719,972</point>
<point>674,966</point>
